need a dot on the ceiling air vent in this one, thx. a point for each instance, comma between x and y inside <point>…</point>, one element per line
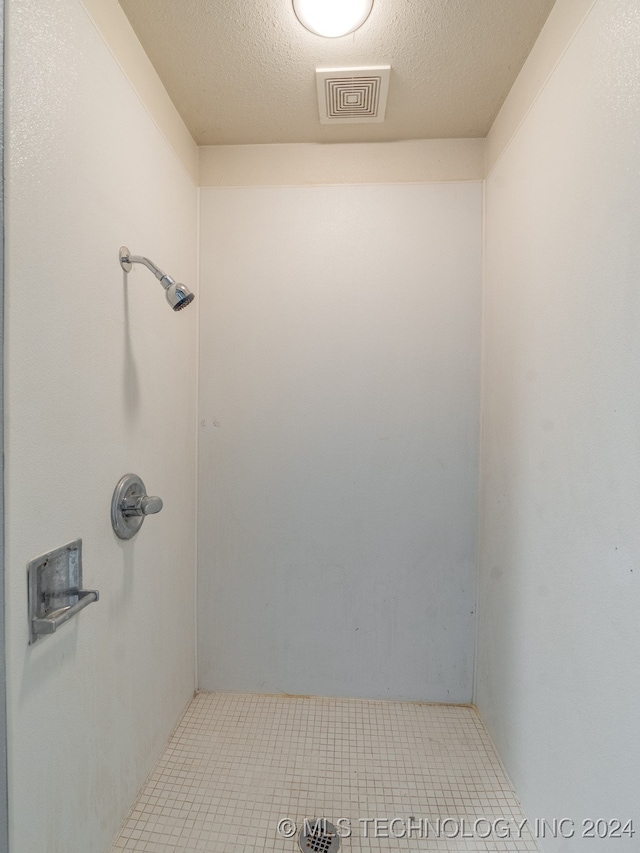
<point>352,95</point>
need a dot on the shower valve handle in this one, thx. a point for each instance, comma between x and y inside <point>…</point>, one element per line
<point>140,505</point>
<point>130,505</point>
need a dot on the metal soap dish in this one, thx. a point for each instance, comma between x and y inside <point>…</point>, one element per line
<point>55,589</point>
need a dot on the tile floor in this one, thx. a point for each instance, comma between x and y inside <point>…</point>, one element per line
<point>238,765</point>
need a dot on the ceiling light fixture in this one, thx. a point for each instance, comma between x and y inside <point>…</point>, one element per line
<point>332,18</point>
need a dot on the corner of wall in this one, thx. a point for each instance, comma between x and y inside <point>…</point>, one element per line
<point>114,27</point>
<point>564,21</point>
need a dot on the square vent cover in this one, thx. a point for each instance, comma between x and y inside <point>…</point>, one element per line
<point>352,95</point>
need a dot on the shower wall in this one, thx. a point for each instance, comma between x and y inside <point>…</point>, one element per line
<point>100,381</point>
<point>339,386</point>
<point>559,635</point>
<point>338,424</point>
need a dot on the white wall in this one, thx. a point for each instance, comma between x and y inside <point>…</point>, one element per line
<point>100,381</point>
<point>338,439</point>
<point>308,164</point>
<point>559,639</point>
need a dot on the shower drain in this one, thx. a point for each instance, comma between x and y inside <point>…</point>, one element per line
<point>318,836</point>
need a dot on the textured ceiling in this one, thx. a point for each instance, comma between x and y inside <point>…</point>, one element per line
<point>243,71</point>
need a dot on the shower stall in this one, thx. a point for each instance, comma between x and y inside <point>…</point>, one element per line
<point>394,436</point>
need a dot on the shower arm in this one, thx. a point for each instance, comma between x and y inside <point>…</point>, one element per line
<point>178,295</point>
<point>126,261</point>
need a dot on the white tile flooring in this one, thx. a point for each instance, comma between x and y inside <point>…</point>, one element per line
<point>239,764</point>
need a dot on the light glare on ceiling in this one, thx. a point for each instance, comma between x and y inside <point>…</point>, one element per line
<point>332,18</point>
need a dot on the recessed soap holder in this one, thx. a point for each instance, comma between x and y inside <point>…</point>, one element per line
<point>55,589</point>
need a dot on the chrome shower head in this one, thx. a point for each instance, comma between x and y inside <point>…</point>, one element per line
<point>178,295</point>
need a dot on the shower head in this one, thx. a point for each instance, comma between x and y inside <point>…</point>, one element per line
<point>178,295</point>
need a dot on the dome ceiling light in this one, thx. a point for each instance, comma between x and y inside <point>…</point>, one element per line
<point>332,18</point>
